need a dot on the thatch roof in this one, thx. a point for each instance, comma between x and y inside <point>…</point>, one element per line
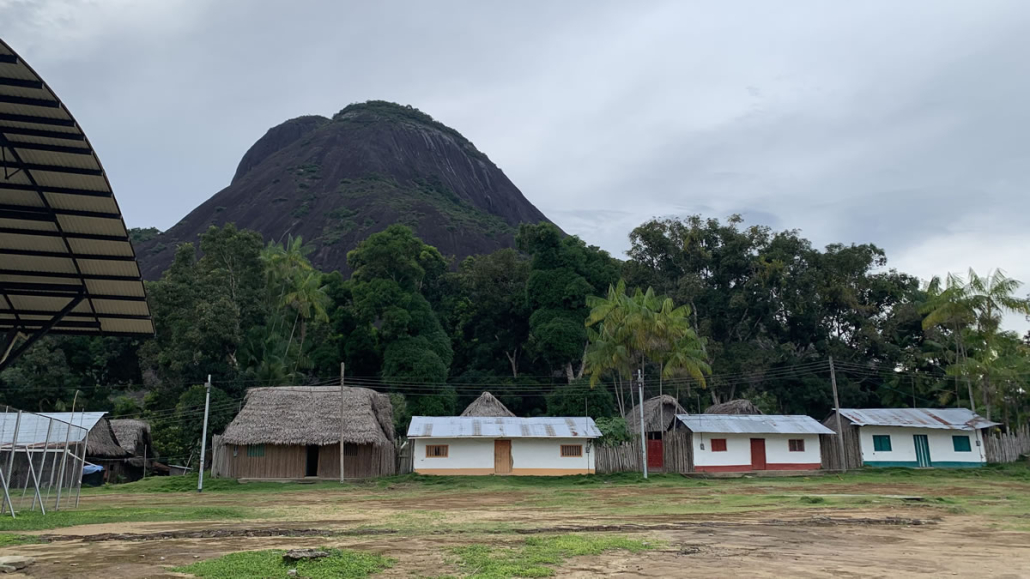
<point>133,435</point>
<point>659,414</point>
<point>102,442</point>
<point>738,406</point>
<point>310,415</point>
<point>487,406</point>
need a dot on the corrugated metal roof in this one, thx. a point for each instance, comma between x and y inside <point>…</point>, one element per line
<point>752,424</point>
<point>501,427</point>
<point>33,427</point>
<point>63,243</point>
<point>944,418</point>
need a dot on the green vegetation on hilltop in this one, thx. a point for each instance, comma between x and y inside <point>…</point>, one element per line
<point>385,110</point>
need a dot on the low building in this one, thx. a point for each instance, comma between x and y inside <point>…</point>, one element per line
<point>909,437</point>
<point>743,443</point>
<point>133,435</point>
<point>659,417</point>
<point>294,432</point>
<point>462,445</point>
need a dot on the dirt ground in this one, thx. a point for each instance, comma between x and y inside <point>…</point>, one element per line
<point>894,539</point>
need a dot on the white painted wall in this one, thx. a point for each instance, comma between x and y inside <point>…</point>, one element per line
<point>461,453</point>
<point>526,453</point>
<point>535,453</point>
<point>738,449</point>
<point>903,447</point>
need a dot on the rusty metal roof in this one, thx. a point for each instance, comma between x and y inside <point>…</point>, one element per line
<point>66,263</point>
<point>752,424</point>
<point>501,427</point>
<point>944,418</point>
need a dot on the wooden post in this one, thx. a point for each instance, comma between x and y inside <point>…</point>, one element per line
<point>342,404</point>
<point>836,409</point>
<point>203,436</point>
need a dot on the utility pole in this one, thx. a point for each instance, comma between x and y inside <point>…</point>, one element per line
<point>203,436</point>
<point>342,405</point>
<point>643,437</point>
<point>836,410</point>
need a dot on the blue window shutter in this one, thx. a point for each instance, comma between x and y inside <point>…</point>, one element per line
<point>961,443</point>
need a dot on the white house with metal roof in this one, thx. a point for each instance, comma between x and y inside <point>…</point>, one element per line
<point>469,445</point>
<point>744,442</point>
<point>913,437</point>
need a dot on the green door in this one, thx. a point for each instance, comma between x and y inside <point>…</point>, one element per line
<point>922,450</point>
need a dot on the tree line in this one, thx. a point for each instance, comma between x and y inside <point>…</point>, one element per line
<point>703,309</point>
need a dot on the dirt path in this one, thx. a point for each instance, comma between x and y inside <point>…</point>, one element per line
<point>792,544</point>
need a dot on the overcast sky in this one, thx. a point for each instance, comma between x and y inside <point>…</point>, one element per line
<point>904,124</point>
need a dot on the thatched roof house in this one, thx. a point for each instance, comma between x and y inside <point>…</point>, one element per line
<point>133,435</point>
<point>102,443</point>
<point>659,414</point>
<point>487,406</point>
<point>738,406</point>
<point>295,432</point>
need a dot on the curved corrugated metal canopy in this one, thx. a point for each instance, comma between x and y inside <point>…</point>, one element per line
<point>65,254</point>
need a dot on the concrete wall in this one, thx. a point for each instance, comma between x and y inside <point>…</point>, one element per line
<point>530,456</point>
<point>903,448</point>
<point>737,456</point>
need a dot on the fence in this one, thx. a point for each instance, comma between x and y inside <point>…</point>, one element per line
<point>42,459</point>
<point>677,455</point>
<point>1007,446</point>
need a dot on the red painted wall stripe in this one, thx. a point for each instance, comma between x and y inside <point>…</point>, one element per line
<point>769,466</point>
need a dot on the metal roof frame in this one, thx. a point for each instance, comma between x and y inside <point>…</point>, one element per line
<point>67,265</point>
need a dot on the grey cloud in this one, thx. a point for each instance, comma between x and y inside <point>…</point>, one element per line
<point>898,124</point>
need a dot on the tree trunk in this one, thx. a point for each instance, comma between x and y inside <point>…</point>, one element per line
<point>987,396</point>
<point>568,372</point>
<point>513,360</point>
<point>583,361</point>
<point>290,341</point>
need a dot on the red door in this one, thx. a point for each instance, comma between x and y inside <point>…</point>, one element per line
<point>655,456</point>
<point>757,454</point>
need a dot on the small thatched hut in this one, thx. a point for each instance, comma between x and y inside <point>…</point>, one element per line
<point>293,432</point>
<point>488,406</point>
<point>102,449</point>
<point>738,406</point>
<point>659,416</point>
<point>134,436</point>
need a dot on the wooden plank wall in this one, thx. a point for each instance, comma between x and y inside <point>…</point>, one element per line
<point>289,462</point>
<point>626,457</point>
<point>829,447</point>
<point>1007,446</point>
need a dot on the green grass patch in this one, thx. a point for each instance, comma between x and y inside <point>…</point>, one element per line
<point>34,521</point>
<point>340,564</point>
<point>538,556</point>
<point>188,483</point>
<point>8,540</point>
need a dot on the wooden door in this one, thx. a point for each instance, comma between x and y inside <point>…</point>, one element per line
<point>655,455</point>
<point>502,457</point>
<point>922,450</point>
<point>757,454</point>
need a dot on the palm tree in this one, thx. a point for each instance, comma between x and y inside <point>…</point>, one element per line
<point>632,330</point>
<point>990,297</point>
<point>947,307</point>
<point>310,301</point>
<point>973,312</point>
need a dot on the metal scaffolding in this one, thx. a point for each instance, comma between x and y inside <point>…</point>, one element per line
<point>43,456</point>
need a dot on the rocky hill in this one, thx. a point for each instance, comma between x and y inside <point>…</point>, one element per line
<point>336,181</point>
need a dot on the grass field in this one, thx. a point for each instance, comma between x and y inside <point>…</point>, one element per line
<point>413,526</point>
